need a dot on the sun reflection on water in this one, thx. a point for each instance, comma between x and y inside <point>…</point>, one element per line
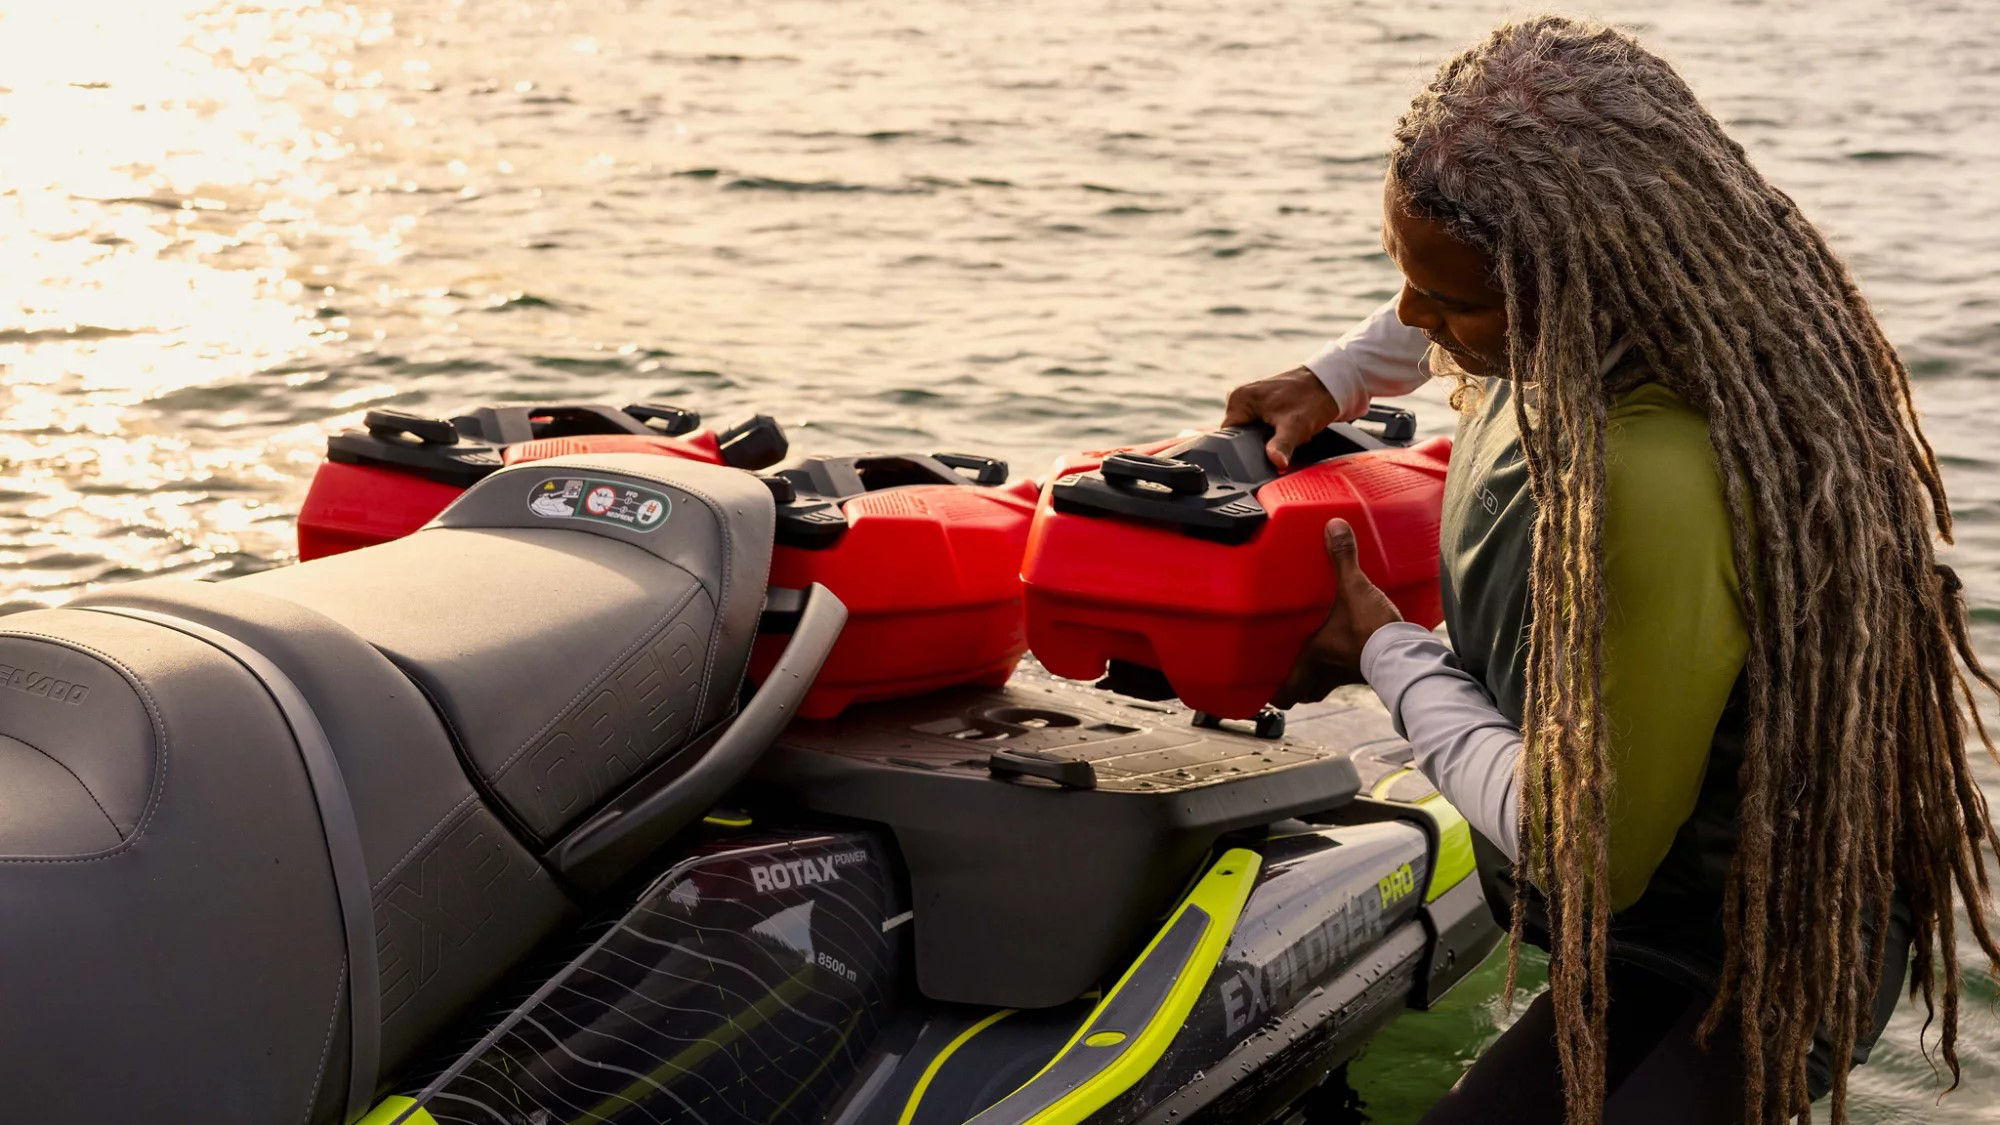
<point>153,150</point>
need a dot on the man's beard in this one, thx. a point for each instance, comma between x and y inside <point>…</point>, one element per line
<point>1443,363</point>
<point>1439,363</point>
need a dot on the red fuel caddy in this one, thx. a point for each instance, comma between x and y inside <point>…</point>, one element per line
<point>397,473</point>
<point>927,559</point>
<point>1203,563</point>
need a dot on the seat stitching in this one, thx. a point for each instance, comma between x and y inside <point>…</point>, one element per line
<point>79,781</point>
<point>715,630</point>
<point>597,681</point>
<point>721,514</point>
<point>708,666</point>
<point>326,1048</point>
<point>160,752</point>
<point>446,819</point>
<point>482,786</point>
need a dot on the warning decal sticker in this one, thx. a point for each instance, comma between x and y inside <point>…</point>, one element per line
<point>600,501</point>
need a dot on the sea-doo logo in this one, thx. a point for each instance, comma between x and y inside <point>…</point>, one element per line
<point>802,872</point>
<point>42,684</point>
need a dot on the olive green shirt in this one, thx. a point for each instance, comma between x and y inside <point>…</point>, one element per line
<point>1674,639</point>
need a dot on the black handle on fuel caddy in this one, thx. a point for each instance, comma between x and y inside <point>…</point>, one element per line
<point>393,425</point>
<point>673,421</point>
<point>988,471</point>
<point>1178,477</point>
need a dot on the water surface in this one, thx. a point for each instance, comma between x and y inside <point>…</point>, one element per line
<point>227,228</point>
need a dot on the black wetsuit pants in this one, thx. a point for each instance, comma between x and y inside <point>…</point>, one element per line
<point>1653,1071</point>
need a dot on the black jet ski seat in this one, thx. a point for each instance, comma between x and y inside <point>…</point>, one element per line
<point>284,827</point>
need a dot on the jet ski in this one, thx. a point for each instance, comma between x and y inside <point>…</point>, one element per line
<point>530,814</point>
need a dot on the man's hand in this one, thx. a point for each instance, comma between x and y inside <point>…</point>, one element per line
<point>1332,656</point>
<point>1296,404</point>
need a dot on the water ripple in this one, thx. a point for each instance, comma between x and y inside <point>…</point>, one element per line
<point>901,226</point>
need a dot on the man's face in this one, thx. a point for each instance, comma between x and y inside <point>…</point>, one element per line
<point>1448,289</point>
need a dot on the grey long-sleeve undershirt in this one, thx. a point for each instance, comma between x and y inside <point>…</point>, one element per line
<point>1462,742</point>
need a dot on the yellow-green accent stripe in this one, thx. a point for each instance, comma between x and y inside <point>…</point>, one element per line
<point>392,1109</point>
<point>726,821</point>
<point>694,1054</point>
<point>1388,781</point>
<point>936,1064</point>
<point>1221,894</point>
<point>826,1060</point>
<point>1454,858</point>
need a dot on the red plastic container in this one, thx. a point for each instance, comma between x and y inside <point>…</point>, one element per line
<point>927,561</point>
<point>1074,463</point>
<point>698,446</point>
<point>397,474</point>
<point>351,506</point>
<point>1203,564</point>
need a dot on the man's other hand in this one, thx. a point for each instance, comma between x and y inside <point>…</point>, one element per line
<point>1295,404</point>
<point>1332,656</point>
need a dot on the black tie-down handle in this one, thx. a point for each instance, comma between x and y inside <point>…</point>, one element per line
<point>1070,773</point>
<point>1181,478</point>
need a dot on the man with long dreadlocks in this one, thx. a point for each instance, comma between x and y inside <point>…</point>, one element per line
<point>1706,678</point>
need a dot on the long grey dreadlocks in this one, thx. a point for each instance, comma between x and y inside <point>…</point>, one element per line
<point>1613,204</point>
